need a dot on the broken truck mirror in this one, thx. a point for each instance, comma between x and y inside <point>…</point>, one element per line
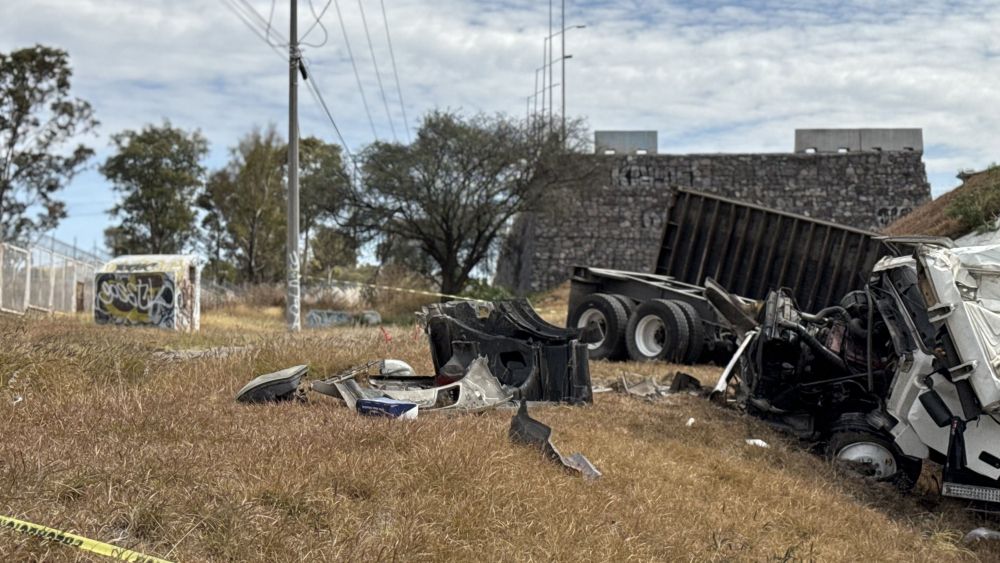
<point>528,431</point>
<point>273,387</point>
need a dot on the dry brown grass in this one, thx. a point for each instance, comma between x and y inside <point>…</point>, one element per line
<point>114,445</point>
<point>934,219</point>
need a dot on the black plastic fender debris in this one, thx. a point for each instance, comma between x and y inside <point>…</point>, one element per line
<point>526,430</point>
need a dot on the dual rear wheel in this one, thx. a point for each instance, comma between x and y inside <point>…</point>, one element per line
<point>657,329</point>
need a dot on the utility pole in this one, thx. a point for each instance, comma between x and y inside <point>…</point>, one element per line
<point>294,296</point>
<point>562,83</point>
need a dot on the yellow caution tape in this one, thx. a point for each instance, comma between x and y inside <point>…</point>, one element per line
<point>76,541</point>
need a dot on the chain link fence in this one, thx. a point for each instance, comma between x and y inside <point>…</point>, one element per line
<point>48,276</point>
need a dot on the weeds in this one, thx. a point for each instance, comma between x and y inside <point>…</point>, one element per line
<point>155,454</point>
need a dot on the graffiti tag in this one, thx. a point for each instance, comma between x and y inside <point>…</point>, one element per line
<point>136,299</point>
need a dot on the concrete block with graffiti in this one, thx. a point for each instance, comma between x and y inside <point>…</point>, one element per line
<point>150,290</point>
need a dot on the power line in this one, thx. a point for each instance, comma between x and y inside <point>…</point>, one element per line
<point>378,75</point>
<point>314,89</point>
<point>392,56</point>
<point>309,76</point>
<point>270,17</point>
<point>248,21</point>
<point>262,24</point>
<point>317,21</point>
<point>354,65</point>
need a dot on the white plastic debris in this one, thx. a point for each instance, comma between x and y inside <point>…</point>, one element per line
<point>981,534</point>
<point>17,400</point>
<point>757,442</point>
<point>690,423</point>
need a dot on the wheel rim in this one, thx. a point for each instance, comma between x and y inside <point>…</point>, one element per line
<point>594,316</point>
<point>650,334</point>
<point>875,457</point>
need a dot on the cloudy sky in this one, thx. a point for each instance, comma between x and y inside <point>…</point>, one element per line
<point>710,76</point>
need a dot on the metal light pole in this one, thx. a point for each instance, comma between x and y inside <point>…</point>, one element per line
<point>293,297</point>
<point>562,53</point>
<point>545,58</point>
<point>550,65</point>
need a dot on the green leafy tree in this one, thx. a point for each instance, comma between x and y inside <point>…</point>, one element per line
<point>323,186</point>
<point>247,200</point>
<point>158,173</point>
<point>333,250</point>
<point>449,195</point>
<point>38,119</point>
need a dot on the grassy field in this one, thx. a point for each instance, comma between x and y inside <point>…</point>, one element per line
<point>105,436</point>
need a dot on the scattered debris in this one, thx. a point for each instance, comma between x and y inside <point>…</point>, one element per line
<point>476,391</point>
<point>321,318</point>
<point>651,388</point>
<point>391,408</point>
<point>690,423</point>
<point>757,442</point>
<point>273,387</point>
<point>526,430</point>
<point>538,360</point>
<point>325,317</point>
<point>199,353</point>
<point>485,355</point>
<point>684,382</point>
<point>981,534</point>
<point>17,400</point>
<point>601,389</point>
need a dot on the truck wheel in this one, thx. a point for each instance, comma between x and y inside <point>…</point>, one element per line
<point>696,340</point>
<point>874,455</point>
<point>610,315</point>
<point>627,303</point>
<point>658,330</point>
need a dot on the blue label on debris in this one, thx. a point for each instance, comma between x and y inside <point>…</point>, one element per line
<point>387,407</point>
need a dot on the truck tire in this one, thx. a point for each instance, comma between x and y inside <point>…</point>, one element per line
<point>875,454</point>
<point>658,330</point>
<point>696,340</point>
<point>608,312</point>
<point>627,303</point>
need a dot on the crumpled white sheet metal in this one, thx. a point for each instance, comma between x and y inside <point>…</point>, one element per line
<point>969,280</point>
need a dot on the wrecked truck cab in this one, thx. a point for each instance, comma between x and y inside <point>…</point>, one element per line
<point>899,373</point>
<point>946,396</point>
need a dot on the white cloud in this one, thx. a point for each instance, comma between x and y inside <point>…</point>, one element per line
<point>710,76</point>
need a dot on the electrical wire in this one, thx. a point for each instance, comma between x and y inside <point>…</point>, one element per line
<point>395,73</point>
<point>270,17</point>
<point>233,7</point>
<point>317,20</point>
<point>260,28</point>
<point>314,89</point>
<point>354,65</point>
<point>262,24</point>
<point>378,75</point>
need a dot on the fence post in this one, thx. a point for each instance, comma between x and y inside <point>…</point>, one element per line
<point>2,248</point>
<point>27,279</point>
<point>52,279</point>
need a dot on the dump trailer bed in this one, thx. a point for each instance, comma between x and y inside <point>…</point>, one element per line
<point>750,250</point>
